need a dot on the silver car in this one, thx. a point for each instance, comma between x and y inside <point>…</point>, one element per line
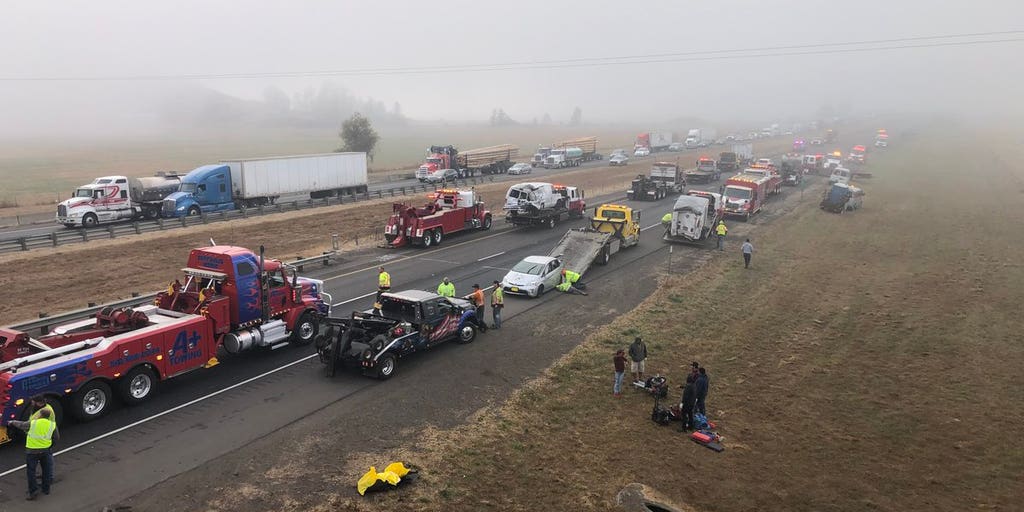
<point>443,176</point>
<point>533,276</point>
<point>520,168</point>
<point>618,160</point>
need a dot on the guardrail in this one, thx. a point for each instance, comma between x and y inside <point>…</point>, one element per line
<point>80,235</point>
<point>45,322</point>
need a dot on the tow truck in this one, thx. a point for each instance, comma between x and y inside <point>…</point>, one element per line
<point>448,211</point>
<point>745,195</point>
<point>232,299</point>
<point>521,210</point>
<point>612,228</point>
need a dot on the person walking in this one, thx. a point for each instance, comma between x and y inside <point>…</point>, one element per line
<point>446,288</point>
<point>721,230</point>
<point>748,251</point>
<point>701,387</point>
<point>477,298</point>
<point>638,353</point>
<point>383,282</point>
<point>497,303</point>
<point>619,360</point>
<point>39,436</point>
<point>687,404</point>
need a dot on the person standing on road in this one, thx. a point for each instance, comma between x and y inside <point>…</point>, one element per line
<point>620,371</point>
<point>687,404</point>
<point>446,288</point>
<point>38,403</point>
<point>638,353</point>
<point>701,387</point>
<point>497,303</point>
<point>383,282</point>
<point>39,436</point>
<point>748,251</point>
<point>721,230</point>
<point>477,297</point>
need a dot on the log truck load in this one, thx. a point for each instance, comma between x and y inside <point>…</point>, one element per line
<point>447,211</point>
<point>232,299</point>
<point>116,198</point>
<point>473,162</point>
<point>542,204</point>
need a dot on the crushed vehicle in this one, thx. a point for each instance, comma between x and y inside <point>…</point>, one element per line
<point>406,323</point>
<point>694,217</point>
<point>841,197</point>
<point>792,169</point>
<point>542,204</point>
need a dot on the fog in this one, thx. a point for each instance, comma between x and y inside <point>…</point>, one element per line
<point>146,67</point>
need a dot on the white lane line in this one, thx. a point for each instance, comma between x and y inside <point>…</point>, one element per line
<point>168,411</point>
<point>353,299</point>
<point>651,226</point>
<point>442,261</point>
<point>496,268</point>
<point>492,256</point>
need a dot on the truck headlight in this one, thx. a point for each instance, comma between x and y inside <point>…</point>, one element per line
<point>180,208</point>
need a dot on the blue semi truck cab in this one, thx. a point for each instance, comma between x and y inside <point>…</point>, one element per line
<point>206,189</point>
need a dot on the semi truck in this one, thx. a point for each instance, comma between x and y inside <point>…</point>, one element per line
<point>670,174</point>
<point>564,157</point>
<point>706,171</point>
<point>728,162</point>
<point>699,137</point>
<point>540,155</point>
<point>694,217</point>
<point>232,300</point>
<point>612,228</point>
<point>745,195</point>
<point>654,140</point>
<point>542,204</point>
<point>644,188</point>
<point>116,198</point>
<point>473,162</point>
<point>236,184</point>
<point>449,211</point>
<point>744,153</point>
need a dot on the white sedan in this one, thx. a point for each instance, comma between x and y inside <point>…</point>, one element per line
<point>520,168</point>
<point>642,152</point>
<point>533,276</point>
<point>618,160</point>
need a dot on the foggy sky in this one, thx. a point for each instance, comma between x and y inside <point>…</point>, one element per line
<point>130,38</point>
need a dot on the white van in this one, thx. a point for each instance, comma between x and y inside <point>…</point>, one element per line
<point>840,175</point>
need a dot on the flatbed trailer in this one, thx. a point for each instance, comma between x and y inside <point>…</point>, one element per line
<point>613,228</point>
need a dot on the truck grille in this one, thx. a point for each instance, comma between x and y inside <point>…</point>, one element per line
<point>168,206</point>
<point>62,211</point>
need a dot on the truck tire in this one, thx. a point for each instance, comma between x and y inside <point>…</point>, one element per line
<point>91,401</point>
<point>137,386</point>
<point>306,329</point>
<point>438,236</point>
<point>603,256</point>
<point>427,240</point>
<point>552,220</point>
<point>467,333</point>
<point>386,366</point>
<point>193,211</point>
<point>487,223</point>
<point>90,220</point>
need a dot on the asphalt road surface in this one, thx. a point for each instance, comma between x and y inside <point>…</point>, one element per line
<point>200,420</point>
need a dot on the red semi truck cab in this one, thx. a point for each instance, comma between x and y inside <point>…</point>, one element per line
<point>231,298</point>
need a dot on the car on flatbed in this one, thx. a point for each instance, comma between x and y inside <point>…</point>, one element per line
<point>533,276</point>
<point>405,323</point>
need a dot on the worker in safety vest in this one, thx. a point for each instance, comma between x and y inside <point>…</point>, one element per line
<point>383,282</point>
<point>446,288</point>
<point>497,304</point>
<point>721,230</point>
<point>39,403</point>
<point>39,436</point>
<point>569,283</point>
<point>666,219</point>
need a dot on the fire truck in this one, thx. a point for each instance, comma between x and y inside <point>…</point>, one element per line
<point>745,195</point>
<point>232,299</point>
<point>449,211</point>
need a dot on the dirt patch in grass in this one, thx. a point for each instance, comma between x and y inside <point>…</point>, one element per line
<point>68,277</point>
<point>867,361</point>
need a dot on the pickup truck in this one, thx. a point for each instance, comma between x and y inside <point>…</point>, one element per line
<point>406,322</point>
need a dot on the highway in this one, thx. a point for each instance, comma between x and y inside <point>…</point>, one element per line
<point>211,413</point>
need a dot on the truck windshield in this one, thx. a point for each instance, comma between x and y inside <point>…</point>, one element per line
<point>394,308</point>
<point>529,267</point>
<point>435,161</point>
<point>188,188</point>
<point>737,193</point>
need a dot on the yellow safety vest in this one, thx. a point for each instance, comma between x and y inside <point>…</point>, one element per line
<point>35,415</point>
<point>497,297</point>
<point>40,433</point>
<point>721,229</point>
<point>446,290</point>
<point>666,218</point>
<point>384,279</point>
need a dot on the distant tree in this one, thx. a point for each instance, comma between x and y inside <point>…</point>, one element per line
<point>577,117</point>
<point>357,134</point>
<point>546,119</point>
<point>500,118</point>
<point>278,103</point>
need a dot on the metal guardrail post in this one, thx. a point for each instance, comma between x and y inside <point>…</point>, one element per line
<point>85,235</point>
<point>334,241</point>
<point>138,230</point>
<point>203,217</point>
<point>24,243</point>
<point>295,204</point>
<point>261,210</point>
<point>53,238</point>
<point>160,223</point>
<point>245,213</point>
<point>183,220</point>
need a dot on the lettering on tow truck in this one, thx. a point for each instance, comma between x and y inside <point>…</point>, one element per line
<point>210,262</point>
<point>131,358</point>
<point>184,348</point>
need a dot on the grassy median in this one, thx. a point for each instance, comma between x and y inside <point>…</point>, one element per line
<point>867,361</point>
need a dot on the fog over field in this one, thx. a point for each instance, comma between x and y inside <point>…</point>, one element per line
<point>127,67</point>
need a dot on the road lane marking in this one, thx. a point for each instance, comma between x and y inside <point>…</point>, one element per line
<point>497,268</point>
<point>442,261</point>
<point>168,411</point>
<point>492,256</point>
<point>651,226</point>
<point>353,299</point>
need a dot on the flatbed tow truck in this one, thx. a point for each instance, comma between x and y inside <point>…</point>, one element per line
<point>612,228</point>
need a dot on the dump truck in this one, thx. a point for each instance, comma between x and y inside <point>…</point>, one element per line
<point>643,188</point>
<point>694,217</point>
<point>116,198</point>
<point>447,212</point>
<point>489,160</point>
<point>233,300</point>
<point>542,204</point>
<point>670,174</point>
<point>253,182</point>
<point>706,171</point>
<point>612,228</point>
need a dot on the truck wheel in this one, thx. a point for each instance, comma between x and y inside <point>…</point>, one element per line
<point>603,256</point>
<point>428,239</point>
<point>467,333</point>
<point>386,366</point>
<point>137,386</point>
<point>90,220</point>
<point>551,222</point>
<point>487,223</point>
<point>438,236</point>
<point>91,401</point>
<point>306,329</point>
<point>193,211</point>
